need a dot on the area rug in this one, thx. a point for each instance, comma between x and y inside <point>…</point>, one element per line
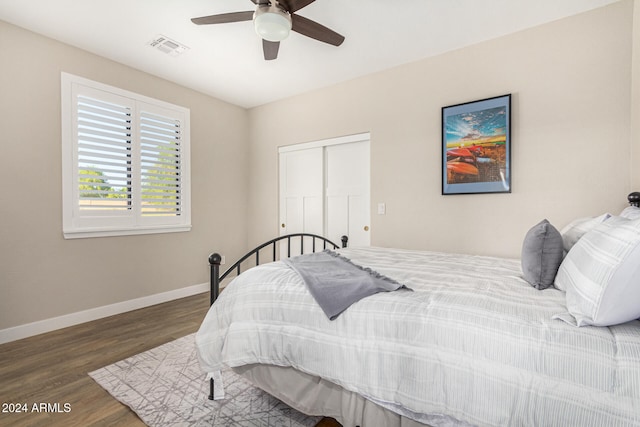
<point>165,387</point>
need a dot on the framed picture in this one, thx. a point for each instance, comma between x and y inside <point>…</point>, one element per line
<point>476,147</point>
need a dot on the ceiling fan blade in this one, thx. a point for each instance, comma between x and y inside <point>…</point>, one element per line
<point>294,5</point>
<point>270,49</point>
<point>312,29</point>
<point>223,18</point>
<point>256,2</point>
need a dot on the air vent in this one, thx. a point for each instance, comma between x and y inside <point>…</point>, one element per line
<point>166,45</point>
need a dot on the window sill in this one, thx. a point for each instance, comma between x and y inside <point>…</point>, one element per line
<point>84,234</point>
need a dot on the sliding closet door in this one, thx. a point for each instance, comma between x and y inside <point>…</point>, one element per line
<point>347,192</point>
<point>324,189</point>
<point>301,192</point>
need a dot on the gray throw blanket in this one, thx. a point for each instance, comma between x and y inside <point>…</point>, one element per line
<point>336,283</point>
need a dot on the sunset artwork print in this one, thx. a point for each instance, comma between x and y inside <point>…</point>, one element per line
<point>476,147</point>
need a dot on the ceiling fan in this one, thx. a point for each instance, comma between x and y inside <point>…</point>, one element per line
<point>273,20</point>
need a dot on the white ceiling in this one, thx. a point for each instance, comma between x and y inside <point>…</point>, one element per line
<point>225,60</point>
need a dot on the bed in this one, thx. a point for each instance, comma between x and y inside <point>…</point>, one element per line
<point>474,341</point>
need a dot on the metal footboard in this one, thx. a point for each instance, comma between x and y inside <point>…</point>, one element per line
<point>215,259</point>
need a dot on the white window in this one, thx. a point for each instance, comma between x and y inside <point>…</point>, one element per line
<point>125,162</point>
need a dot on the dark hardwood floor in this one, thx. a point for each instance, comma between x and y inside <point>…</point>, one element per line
<point>53,368</point>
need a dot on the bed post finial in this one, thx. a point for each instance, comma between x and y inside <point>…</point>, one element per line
<point>634,199</point>
<point>215,258</point>
<point>214,281</point>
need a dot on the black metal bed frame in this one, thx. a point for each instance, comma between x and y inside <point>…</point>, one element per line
<point>215,260</point>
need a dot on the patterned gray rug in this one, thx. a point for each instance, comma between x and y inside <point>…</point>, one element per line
<point>166,387</point>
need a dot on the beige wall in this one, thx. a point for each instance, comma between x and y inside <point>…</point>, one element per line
<point>635,99</point>
<point>574,105</point>
<point>44,275</point>
<point>570,81</point>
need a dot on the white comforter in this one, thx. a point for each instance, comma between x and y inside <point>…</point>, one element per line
<point>473,341</point>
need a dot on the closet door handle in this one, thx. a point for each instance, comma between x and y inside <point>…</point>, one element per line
<point>366,228</point>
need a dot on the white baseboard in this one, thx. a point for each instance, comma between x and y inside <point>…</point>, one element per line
<point>48,325</point>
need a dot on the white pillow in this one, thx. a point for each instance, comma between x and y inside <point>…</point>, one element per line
<point>572,232</point>
<point>601,275</point>
<point>631,212</point>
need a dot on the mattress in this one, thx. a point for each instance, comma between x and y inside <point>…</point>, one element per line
<point>473,343</point>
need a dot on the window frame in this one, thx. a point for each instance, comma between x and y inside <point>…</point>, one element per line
<point>79,223</point>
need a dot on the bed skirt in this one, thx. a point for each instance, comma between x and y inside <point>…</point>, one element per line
<point>314,396</point>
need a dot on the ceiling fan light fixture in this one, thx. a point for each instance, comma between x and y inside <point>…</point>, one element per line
<point>272,23</point>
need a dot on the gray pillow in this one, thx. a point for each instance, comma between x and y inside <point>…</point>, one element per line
<point>542,251</point>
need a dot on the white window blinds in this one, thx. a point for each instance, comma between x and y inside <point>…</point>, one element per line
<point>104,155</point>
<point>125,162</point>
<point>160,139</point>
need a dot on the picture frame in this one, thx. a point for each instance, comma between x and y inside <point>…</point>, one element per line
<point>476,146</point>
